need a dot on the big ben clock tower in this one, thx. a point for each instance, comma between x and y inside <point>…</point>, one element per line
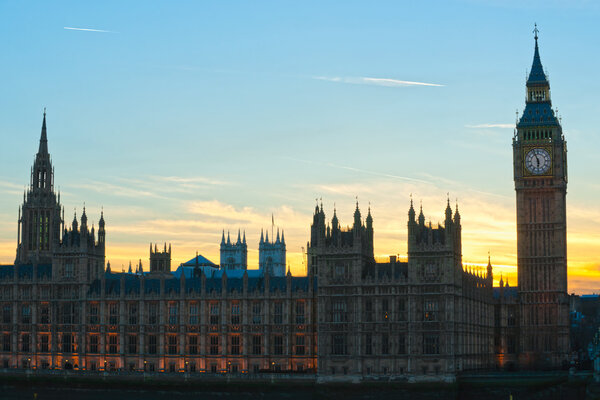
<point>540,173</point>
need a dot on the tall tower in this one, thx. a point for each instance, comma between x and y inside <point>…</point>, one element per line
<point>40,221</point>
<point>540,173</point>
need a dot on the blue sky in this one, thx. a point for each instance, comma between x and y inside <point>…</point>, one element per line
<point>186,118</point>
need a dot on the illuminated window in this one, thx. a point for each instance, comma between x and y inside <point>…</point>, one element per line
<point>430,310</point>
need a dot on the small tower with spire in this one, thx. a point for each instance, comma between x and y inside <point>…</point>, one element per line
<point>234,256</point>
<point>272,255</point>
<point>160,261</point>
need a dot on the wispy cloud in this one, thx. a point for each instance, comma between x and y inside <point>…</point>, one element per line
<point>87,29</point>
<point>363,80</point>
<point>490,126</point>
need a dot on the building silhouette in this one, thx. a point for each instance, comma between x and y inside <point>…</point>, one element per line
<point>351,317</point>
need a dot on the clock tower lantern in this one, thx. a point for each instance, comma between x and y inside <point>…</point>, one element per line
<point>540,174</point>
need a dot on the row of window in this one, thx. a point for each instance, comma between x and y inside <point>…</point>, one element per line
<point>340,311</point>
<point>69,313</point>
<point>68,344</point>
<point>339,344</point>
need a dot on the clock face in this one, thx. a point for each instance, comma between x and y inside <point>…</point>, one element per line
<point>538,161</point>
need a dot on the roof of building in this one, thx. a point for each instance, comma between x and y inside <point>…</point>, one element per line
<point>538,114</point>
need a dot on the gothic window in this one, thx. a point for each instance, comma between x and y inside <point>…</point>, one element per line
<point>171,344</point>
<point>173,314</point>
<point>93,314</point>
<point>278,345</point>
<point>510,345</point>
<point>113,314</point>
<point>430,310</point>
<point>152,313</point>
<point>193,344</point>
<point>235,345</point>
<point>152,344</point>
<point>278,312</point>
<point>300,349</point>
<point>339,311</point>
<point>402,344</point>
<point>67,311</point>
<point>214,344</point>
<point>300,312</point>
<point>368,344</point>
<point>68,270</point>
<point>511,320</point>
<point>369,310</point>
<point>94,340</point>
<point>44,347</point>
<point>67,343</point>
<point>256,313</point>
<point>431,344</point>
<point>6,342</point>
<point>338,344</point>
<point>235,313</point>
<point>25,342</point>
<point>341,271</point>
<point>385,344</point>
<point>26,314</point>
<point>113,346</point>
<point>214,313</point>
<point>256,345</point>
<point>193,314</point>
<point>132,344</point>
<point>402,310</point>
<point>133,314</point>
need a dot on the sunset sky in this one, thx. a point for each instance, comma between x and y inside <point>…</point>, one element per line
<point>182,119</point>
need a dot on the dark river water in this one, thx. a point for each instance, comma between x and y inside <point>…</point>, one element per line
<point>481,393</point>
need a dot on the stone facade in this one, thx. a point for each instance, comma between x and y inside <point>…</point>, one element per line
<point>423,316</point>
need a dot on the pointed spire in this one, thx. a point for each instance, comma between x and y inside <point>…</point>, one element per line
<point>101,222</point>
<point>262,238</point>
<point>43,150</point>
<point>108,268</point>
<point>239,239</point>
<point>277,241</point>
<point>267,236</point>
<point>75,220</point>
<point>228,239</point>
<point>244,239</point>
<point>537,75</point>
<point>223,237</point>
<point>130,271</point>
<point>421,215</point>
<point>282,237</point>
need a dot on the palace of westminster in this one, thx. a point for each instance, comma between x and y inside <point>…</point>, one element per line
<point>349,317</point>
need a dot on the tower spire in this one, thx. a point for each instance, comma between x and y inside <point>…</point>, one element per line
<point>43,150</point>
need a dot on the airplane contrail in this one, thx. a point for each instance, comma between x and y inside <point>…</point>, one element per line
<point>87,29</point>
